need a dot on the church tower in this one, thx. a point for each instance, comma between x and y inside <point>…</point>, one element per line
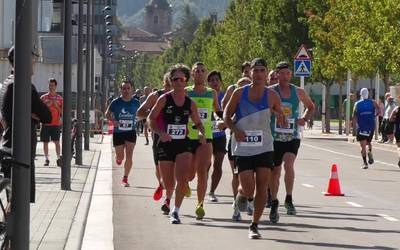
<point>158,17</point>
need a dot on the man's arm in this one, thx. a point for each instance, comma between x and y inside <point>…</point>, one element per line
<point>227,96</point>
<point>229,112</point>
<point>144,109</point>
<point>40,110</point>
<point>276,108</point>
<point>308,104</point>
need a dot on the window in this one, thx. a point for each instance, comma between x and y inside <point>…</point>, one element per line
<point>50,16</point>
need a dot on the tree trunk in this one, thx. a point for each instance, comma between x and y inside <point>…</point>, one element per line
<point>386,81</point>
<point>340,107</point>
<point>327,108</point>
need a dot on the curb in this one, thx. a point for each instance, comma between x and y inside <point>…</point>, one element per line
<point>326,138</point>
<point>77,230</point>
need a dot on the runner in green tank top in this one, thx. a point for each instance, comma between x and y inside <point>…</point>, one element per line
<point>207,102</point>
<point>287,139</point>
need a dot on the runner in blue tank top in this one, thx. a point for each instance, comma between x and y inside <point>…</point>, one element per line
<point>214,80</point>
<point>365,111</point>
<point>252,141</point>
<point>122,112</point>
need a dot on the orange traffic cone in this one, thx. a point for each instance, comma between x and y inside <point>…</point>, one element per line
<point>334,185</point>
<point>110,127</point>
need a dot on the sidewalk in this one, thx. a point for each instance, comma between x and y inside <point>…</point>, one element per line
<point>58,217</point>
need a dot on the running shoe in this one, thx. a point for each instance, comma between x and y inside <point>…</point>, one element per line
<point>212,197</point>
<point>188,193</point>
<point>241,202</point>
<point>370,158</point>
<point>250,207</point>
<point>124,182</point>
<point>200,212</point>
<point>273,214</point>
<point>236,214</point>
<point>291,210</point>
<point>58,162</point>
<point>119,162</point>
<point>364,166</point>
<point>165,207</point>
<point>253,232</point>
<point>174,218</point>
<point>46,162</point>
<point>158,193</point>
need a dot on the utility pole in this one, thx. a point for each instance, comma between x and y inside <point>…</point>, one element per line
<point>88,72</point>
<point>21,136</point>
<point>78,142</point>
<point>67,96</point>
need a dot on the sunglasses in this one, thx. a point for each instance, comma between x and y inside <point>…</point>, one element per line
<point>175,79</point>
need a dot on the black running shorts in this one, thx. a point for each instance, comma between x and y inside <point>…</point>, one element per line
<point>167,151</point>
<point>363,136</point>
<point>265,160</point>
<point>122,137</point>
<point>219,145</point>
<point>50,133</point>
<point>280,148</point>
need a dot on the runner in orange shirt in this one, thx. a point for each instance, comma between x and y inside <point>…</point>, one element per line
<point>51,131</point>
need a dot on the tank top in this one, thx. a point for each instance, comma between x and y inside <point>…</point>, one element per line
<point>365,111</point>
<point>204,104</point>
<point>216,132</point>
<point>254,119</point>
<point>290,107</point>
<point>174,118</point>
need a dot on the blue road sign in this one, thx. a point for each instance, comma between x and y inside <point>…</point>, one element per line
<point>302,68</point>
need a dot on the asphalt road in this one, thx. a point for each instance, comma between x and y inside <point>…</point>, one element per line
<point>367,217</point>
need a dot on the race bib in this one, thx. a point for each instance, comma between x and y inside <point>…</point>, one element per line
<point>125,125</point>
<point>365,133</point>
<point>176,131</point>
<point>214,127</point>
<point>203,113</point>
<point>287,130</point>
<point>254,138</point>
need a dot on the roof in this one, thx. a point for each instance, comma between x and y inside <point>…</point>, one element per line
<point>135,32</point>
<point>162,4</point>
<point>155,47</point>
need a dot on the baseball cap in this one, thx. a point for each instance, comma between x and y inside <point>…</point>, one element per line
<point>258,62</point>
<point>282,65</point>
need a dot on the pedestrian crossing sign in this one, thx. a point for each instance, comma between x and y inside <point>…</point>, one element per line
<point>302,68</point>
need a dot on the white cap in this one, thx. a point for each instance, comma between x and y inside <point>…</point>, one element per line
<point>364,93</point>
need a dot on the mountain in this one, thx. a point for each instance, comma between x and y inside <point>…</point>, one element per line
<point>131,12</point>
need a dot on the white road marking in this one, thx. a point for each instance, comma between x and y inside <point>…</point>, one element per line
<point>347,155</point>
<point>307,185</point>
<point>387,217</point>
<point>354,204</point>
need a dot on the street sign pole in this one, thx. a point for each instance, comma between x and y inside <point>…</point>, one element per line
<point>377,101</point>
<point>348,103</point>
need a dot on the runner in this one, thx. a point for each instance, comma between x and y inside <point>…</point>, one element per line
<point>252,143</point>
<point>51,131</point>
<point>169,119</point>
<point>245,73</point>
<point>365,111</point>
<point>207,102</point>
<point>122,112</point>
<point>143,98</point>
<point>214,80</point>
<point>143,112</point>
<point>272,77</point>
<point>235,180</point>
<point>287,139</point>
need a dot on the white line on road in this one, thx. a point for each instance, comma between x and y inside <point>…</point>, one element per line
<point>307,185</point>
<point>387,217</point>
<point>354,204</point>
<point>348,155</point>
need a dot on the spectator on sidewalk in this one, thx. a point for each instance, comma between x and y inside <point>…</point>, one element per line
<point>380,115</point>
<point>51,131</point>
<point>388,126</point>
<point>40,113</point>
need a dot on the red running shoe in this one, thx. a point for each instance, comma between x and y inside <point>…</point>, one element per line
<point>124,182</point>
<point>119,162</point>
<point>158,193</point>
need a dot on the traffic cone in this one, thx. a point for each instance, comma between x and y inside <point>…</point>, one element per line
<point>334,185</point>
<point>110,127</point>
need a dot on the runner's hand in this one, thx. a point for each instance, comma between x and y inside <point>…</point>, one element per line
<point>301,122</point>
<point>240,136</point>
<point>116,124</point>
<point>202,139</point>
<point>164,137</point>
